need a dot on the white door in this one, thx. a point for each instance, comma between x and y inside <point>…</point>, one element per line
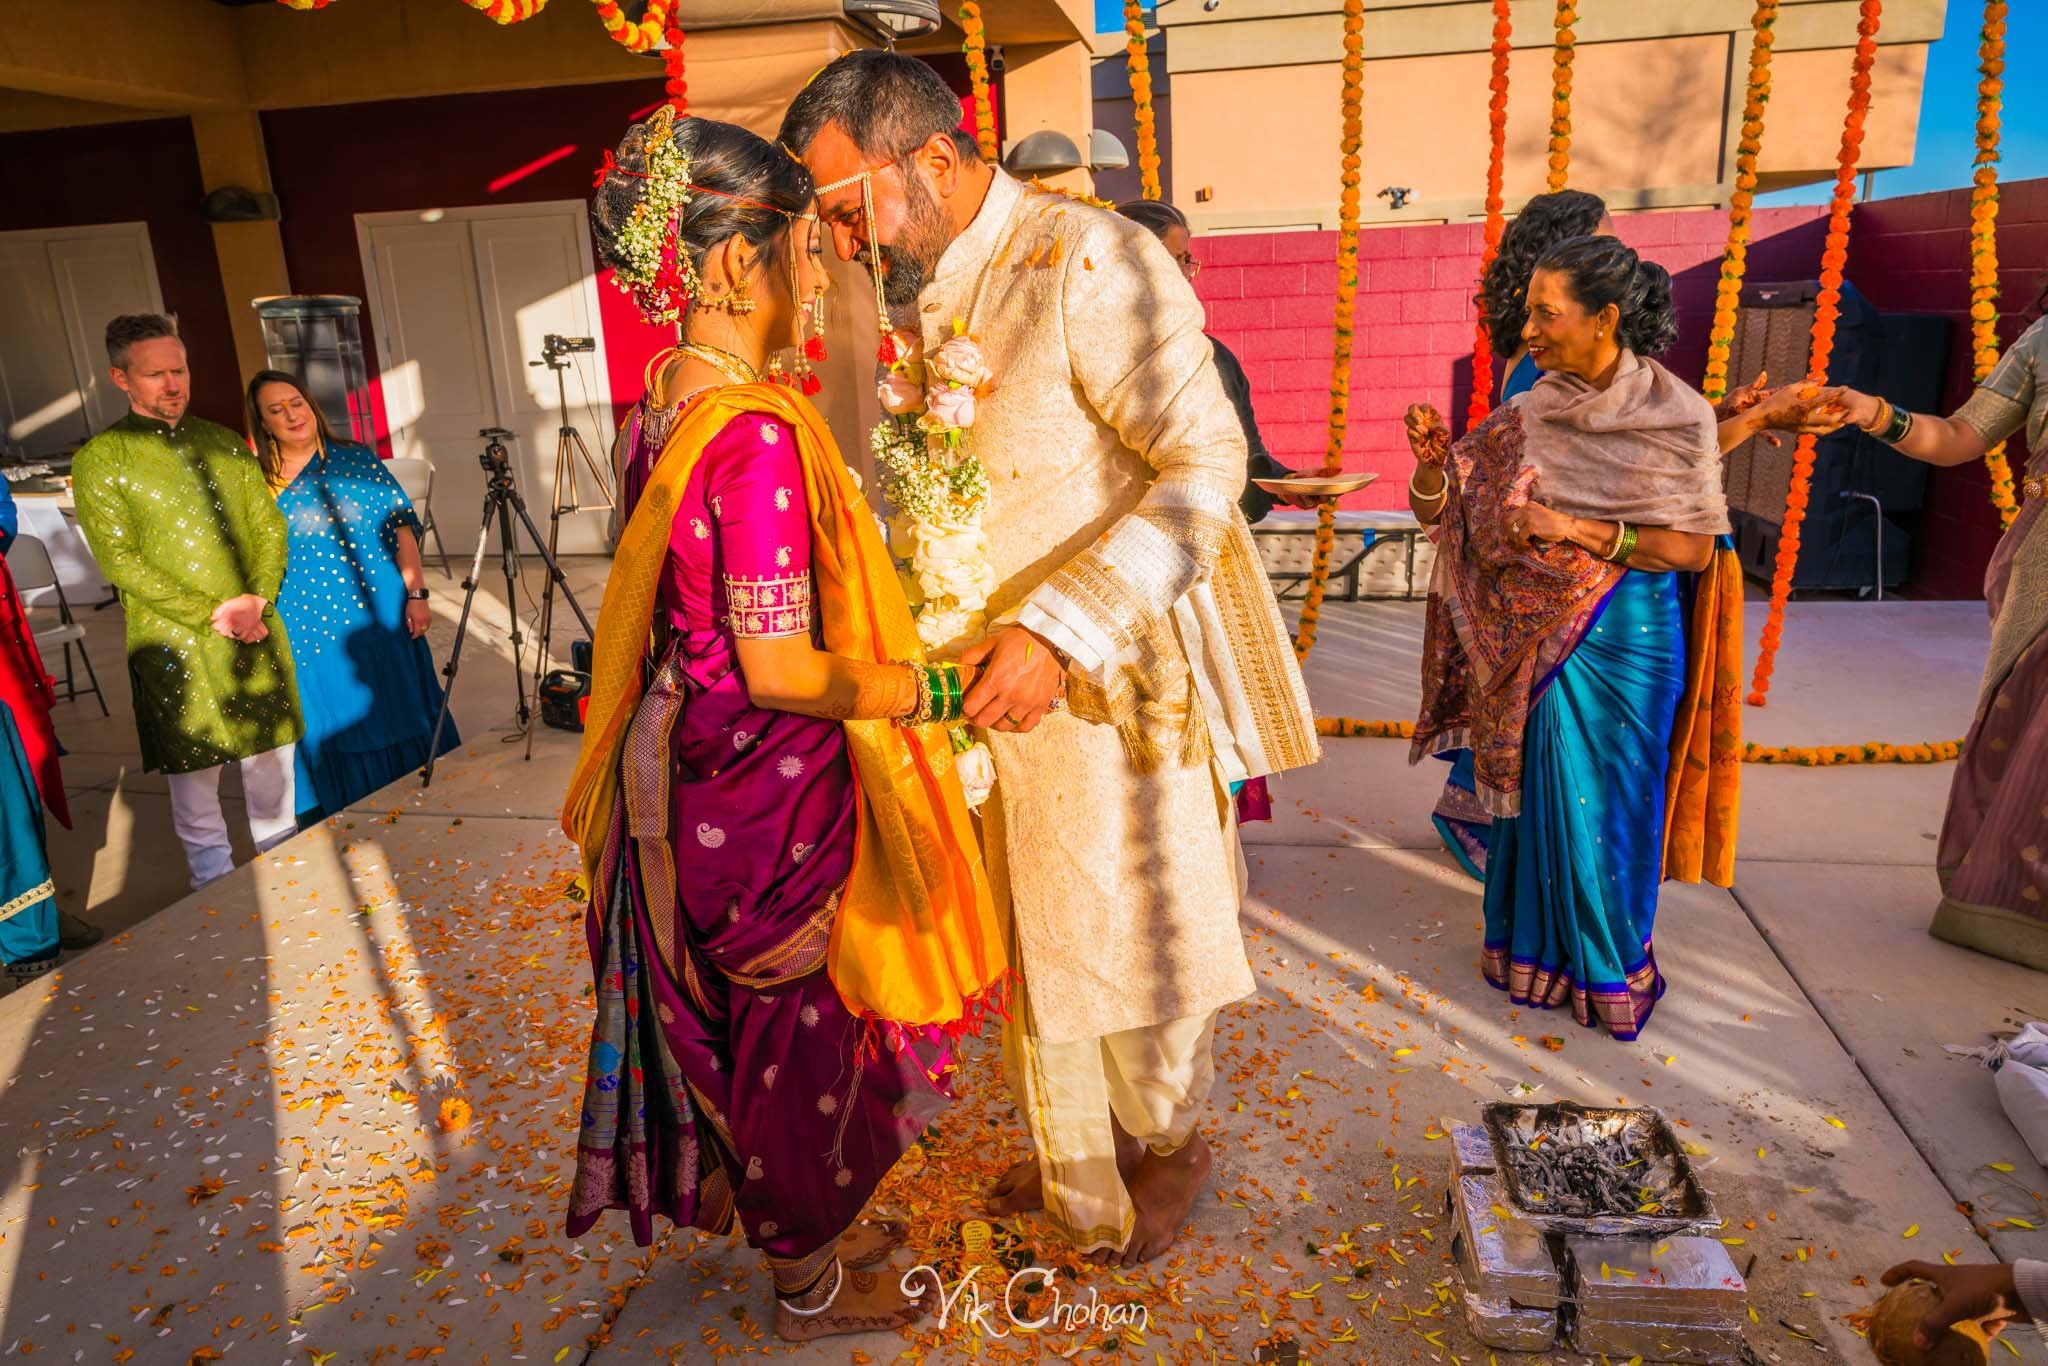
<point>461,304</point>
<point>58,288</point>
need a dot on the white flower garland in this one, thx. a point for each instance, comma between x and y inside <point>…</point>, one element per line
<point>937,490</point>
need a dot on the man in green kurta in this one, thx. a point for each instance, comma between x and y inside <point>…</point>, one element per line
<point>179,516</point>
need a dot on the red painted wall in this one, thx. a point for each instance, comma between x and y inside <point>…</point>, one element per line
<point>122,173</point>
<point>1270,300</point>
<point>515,147</point>
<point>1912,255</point>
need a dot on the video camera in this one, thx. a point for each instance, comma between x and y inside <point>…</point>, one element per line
<point>554,346</point>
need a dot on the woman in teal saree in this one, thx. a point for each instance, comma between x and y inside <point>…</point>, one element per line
<point>1577,525</point>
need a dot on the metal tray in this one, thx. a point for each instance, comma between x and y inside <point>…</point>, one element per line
<point>1695,1212</point>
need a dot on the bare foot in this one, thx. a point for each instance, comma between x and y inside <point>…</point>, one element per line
<point>870,1241</point>
<point>1021,1188</point>
<point>867,1302</point>
<point>1164,1190</point>
<point>1018,1190</point>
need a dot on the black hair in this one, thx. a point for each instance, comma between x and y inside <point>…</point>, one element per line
<point>1605,270</point>
<point>1544,221</point>
<point>757,189</point>
<point>130,328</point>
<point>1154,214</point>
<point>889,105</point>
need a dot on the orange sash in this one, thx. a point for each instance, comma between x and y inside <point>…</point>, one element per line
<point>1703,787</point>
<point>916,942</point>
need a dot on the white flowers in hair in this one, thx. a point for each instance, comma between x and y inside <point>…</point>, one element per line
<point>659,274</point>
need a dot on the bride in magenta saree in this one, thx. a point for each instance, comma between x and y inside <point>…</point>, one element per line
<point>743,786</point>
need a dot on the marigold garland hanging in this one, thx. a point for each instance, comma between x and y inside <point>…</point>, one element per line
<point>498,11</point>
<point>1735,257</point>
<point>1347,298</point>
<point>1808,756</point>
<point>1984,237</point>
<point>1827,310</point>
<point>672,65</point>
<point>644,36</point>
<point>1496,165</point>
<point>1141,99</point>
<point>1561,96</point>
<point>976,48</point>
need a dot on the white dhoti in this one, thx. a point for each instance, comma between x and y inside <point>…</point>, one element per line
<point>1154,1080</point>
<point>1124,889</point>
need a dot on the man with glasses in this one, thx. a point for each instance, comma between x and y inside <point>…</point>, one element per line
<point>1127,574</point>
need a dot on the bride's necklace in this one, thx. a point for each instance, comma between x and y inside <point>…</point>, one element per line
<point>733,367</point>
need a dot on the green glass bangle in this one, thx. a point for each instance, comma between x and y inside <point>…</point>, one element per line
<point>935,694</point>
<point>955,695</point>
<point>1627,546</point>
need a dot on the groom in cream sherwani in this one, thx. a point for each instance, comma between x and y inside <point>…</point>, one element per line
<point>1131,590</point>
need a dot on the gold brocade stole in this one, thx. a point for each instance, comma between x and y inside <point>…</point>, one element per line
<point>1703,784</point>
<point>915,940</point>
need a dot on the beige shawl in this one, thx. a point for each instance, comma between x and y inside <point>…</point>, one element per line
<point>1642,450</point>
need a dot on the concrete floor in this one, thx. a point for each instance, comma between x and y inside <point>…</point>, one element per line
<point>309,1032</point>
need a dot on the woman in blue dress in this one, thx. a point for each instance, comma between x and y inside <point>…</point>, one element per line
<point>354,602</point>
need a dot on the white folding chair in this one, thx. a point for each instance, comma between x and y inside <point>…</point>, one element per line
<point>415,475</point>
<point>28,559</point>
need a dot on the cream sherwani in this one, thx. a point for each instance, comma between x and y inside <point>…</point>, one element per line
<point>1116,461</point>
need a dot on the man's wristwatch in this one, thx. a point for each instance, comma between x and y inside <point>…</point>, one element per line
<point>418,595</point>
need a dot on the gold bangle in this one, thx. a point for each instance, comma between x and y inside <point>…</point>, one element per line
<point>1428,497</point>
<point>920,711</point>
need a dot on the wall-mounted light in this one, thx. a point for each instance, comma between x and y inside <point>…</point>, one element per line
<point>896,21</point>
<point>1397,196</point>
<point>1106,152</point>
<point>1045,152</point>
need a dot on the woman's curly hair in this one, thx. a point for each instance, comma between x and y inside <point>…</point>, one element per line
<point>1545,221</point>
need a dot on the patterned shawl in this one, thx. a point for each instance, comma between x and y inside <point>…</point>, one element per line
<point>1503,613</point>
<point>1642,450</point>
<point>916,943</point>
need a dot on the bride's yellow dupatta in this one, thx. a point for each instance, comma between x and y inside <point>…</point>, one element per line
<point>916,941</point>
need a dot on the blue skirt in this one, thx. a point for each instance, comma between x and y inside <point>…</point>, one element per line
<point>1572,882</point>
<point>28,898</point>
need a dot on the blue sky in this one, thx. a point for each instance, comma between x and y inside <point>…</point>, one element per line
<point>1948,110</point>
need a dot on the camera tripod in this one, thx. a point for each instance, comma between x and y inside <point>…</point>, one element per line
<point>569,448</point>
<point>501,501</point>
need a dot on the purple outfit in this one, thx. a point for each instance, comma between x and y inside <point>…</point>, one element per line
<point>731,842</point>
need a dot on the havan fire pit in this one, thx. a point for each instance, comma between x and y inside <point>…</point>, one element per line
<point>1583,1223</point>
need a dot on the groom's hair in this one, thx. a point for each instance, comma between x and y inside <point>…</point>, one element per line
<point>887,104</point>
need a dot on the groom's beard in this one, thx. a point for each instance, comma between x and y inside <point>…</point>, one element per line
<point>906,265</point>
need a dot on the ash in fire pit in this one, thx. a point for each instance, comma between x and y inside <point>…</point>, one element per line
<point>1584,1166</point>
<point>1581,1169</point>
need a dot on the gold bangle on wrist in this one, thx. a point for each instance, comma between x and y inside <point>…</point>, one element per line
<point>1442,489</point>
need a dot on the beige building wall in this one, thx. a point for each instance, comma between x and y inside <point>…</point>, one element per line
<point>1656,103</point>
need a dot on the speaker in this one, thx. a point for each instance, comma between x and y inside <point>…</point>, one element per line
<point>233,204</point>
<point>1899,356</point>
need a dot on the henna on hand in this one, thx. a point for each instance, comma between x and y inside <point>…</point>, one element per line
<point>882,692</point>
